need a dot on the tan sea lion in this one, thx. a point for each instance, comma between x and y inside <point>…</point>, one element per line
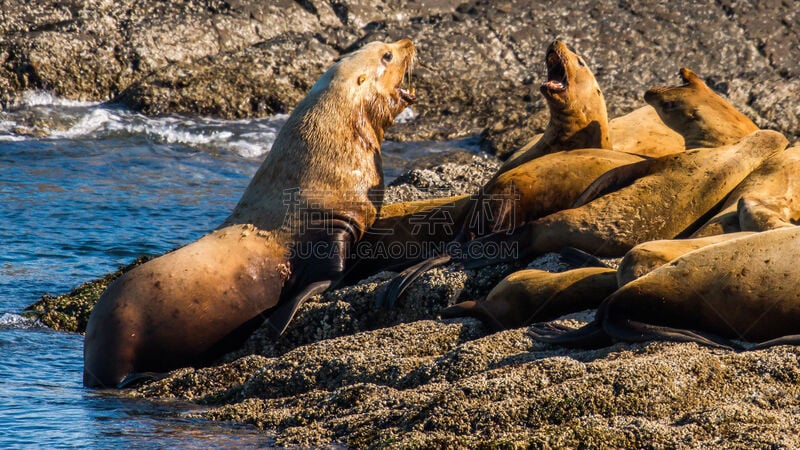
<point>315,194</point>
<point>768,198</point>
<point>699,114</point>
<point>661,198</point>
<point>578,117</point>
<point>641,132</point>
<point>542,186</point>
<point>745,289</point>
<point>535,295</point>
<point>648,256</point>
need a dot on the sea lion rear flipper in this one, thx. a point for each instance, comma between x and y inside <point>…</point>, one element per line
<point>591,335</point>
<point>614,180</point>
<point>135,379</point>
<point>579,258</point>
<point>395,288</point>
<point>635,331</point>
<point>793,339</point>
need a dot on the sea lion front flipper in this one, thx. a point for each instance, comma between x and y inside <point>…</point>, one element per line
<point>614,180</point>
<point>282,315</point>
<point>317,262</point>
<point>395,288</point>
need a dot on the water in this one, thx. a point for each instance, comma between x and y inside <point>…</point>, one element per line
<point>83,189</point>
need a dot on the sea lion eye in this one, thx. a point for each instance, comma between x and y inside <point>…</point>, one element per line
<point>581,63</point>
<point>387,57</point>
<point>669,106</point>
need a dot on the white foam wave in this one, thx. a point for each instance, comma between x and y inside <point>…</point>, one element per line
<point>44,98</point>
<point>46,116</point>
<point>15,321</point>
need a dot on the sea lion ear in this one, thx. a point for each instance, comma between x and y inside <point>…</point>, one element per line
<point>689,76</point>
<point>361,78</point>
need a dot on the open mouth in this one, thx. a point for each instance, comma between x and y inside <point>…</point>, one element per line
<point>409,95</point>
<point>556,73</point>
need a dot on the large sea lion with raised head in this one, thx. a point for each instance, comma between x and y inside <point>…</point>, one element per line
<point>743,289</point>
<point>315,194</point>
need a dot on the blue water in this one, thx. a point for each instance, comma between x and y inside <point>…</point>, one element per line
<point>83,189</point>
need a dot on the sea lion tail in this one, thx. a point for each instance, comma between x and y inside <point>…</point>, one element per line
<point>793,339</point>
<point>399,284</point>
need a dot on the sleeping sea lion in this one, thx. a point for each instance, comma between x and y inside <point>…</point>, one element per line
<point>768,198</point>
<point>646,257</point>
<point>534,295</point>
<point>699,114</point>
<point>316,193</point>
<point>660,198</point>
<point>745,289</point>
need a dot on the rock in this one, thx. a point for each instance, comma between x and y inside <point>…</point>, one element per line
<point>479,66</point>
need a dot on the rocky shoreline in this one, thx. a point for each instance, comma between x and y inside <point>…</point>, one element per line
<point>479,67</point>
<point>349,373</point>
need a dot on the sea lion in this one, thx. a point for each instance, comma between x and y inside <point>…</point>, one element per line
<point>768,198</point>
<point>699,114</point>
<point>640,132</point>
<point>648,256</point>
<point>534,295</point>
<point>315,194</point>
<point>660,198</point>
<point>542,186</point>
<point>745,289</point>
<point>578,117</point>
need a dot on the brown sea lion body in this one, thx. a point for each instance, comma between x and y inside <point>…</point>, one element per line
<point>648,256</point>
<point>699,114</point>
<point>320,185</point>
<point>667,198</point>
<point>745,289</point>
<point>542,186</point>
<point>768,198</point>
<point>578,116</point>
<point>535,295</point>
